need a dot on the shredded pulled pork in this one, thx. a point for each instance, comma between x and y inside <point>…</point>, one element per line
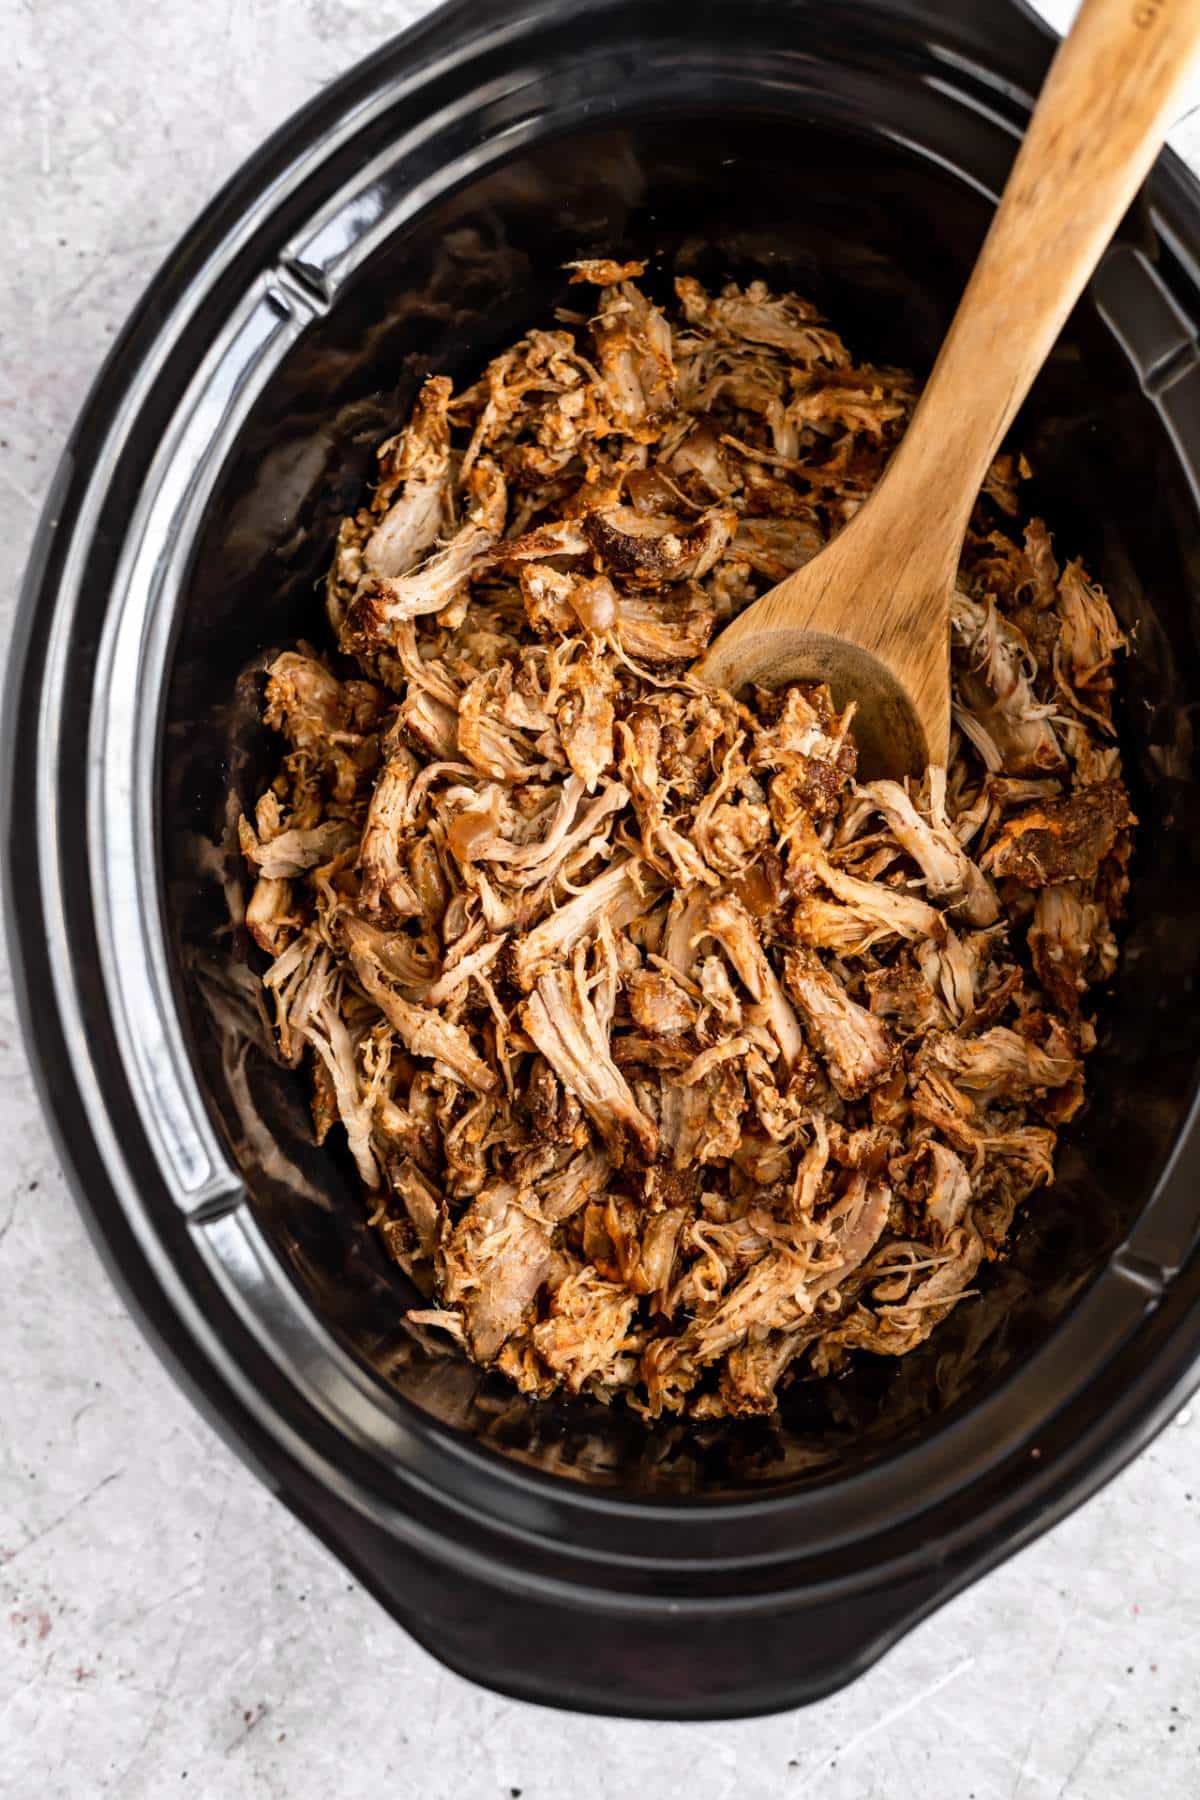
<point>671,1058</point>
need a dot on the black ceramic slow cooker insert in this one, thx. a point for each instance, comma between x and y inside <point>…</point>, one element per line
<point>414,218</point>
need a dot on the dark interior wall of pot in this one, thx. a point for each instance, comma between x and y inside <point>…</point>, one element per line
<point>883,243</point>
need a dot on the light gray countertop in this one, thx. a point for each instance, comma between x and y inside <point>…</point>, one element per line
<point>165,1626</point>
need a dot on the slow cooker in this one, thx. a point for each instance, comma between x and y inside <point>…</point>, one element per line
<point>414,218</point>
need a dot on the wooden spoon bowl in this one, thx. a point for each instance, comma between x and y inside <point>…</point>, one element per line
<point>888,728</point>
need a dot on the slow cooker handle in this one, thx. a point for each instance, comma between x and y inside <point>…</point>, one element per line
<point>599,1654</point>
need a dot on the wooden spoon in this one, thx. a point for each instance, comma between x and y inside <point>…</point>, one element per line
<point>870,614</point>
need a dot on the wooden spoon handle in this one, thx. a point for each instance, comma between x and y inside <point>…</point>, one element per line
<point>1103,113</point>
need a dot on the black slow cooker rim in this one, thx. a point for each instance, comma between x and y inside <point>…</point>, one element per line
<point>134,1243</point>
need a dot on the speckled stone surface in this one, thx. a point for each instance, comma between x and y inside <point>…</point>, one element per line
<point>165,1627</point>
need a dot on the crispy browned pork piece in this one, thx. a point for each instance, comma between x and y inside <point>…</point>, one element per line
<point>675,1062</point>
